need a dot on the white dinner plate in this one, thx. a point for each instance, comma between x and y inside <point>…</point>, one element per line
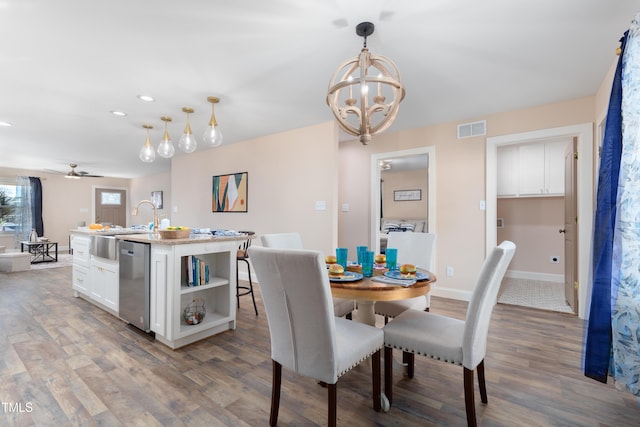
<point>397,275</point>
<point>348,276</point>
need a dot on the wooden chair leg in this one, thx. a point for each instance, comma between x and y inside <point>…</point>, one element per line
<point>375,373</point>
<point>468,398</point>
<point>332,398</point>
<point>481,383</point>
<point>409,360</point>
<point>388,373</point>
<point>276,382</point>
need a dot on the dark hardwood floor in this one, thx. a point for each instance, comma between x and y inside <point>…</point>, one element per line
<point>64,362</point>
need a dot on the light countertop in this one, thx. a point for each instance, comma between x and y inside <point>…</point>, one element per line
<point>197,238</point>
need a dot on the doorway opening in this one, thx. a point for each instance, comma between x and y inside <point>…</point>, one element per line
<point>584,192</point>
<point>533,196</point>
<point>376,176</point>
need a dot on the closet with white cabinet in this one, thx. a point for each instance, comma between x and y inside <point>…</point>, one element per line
<point>531,170</point>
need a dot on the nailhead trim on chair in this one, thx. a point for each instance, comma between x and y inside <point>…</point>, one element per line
<point>424,354</point>
<point>359,361</point>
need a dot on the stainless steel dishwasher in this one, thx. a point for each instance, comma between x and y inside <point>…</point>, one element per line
<point>135,284</point>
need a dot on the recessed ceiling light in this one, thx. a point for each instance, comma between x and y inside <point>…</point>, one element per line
<point>5,124</point>
<point>118,113</point>
<point>146,98</point>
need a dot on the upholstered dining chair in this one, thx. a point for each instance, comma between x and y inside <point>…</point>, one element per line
<point>306,336</point>
<point>243,255</point>
<point>341,307</point>
<point>282,240</point>
<point>418,249</point>
<point>462,342</point>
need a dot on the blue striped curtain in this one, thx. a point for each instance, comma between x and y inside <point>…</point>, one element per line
<point>613,336</point>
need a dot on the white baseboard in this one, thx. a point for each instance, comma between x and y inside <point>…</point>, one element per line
<point>530,275</point>
<point>438,291</point>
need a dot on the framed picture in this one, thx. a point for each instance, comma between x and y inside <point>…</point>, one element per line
<point>156,197</point>
<point>230,193</point>
<point>407,195</point>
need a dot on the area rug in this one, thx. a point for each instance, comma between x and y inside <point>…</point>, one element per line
<point>535,294</point>
<point>64,260</point>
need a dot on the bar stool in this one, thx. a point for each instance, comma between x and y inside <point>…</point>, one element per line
<point>243,255</point>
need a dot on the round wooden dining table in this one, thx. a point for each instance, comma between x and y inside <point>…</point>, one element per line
<point>367,291</point>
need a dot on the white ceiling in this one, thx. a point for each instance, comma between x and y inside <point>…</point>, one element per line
<point>65,64</point>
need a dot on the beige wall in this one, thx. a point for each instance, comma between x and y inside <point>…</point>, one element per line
<point>460,184</point>
<point>291,171</point>
<point>65,202</point>
<point>532,223</point>
<point>288,173</point>
<point>404,180</point>
<point>141,189</point>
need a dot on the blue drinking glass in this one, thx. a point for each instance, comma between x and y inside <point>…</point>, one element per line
<point>392,259</point>
<point>341,256</point>
<point>367,264</point>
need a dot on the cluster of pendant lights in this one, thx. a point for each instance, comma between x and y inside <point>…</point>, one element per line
<point>212,137</point>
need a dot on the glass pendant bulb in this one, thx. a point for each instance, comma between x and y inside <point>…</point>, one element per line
<point>188,142</point>
<point>165,149</point>
<point>212,134</point>
<point>147,153</point>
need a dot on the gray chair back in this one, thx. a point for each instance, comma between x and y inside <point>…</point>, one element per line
<point>297,298</point>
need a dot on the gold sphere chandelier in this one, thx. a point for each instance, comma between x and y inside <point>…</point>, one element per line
<point>359,89</point>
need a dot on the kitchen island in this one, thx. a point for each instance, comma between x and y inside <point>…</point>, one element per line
<point>174,282</point>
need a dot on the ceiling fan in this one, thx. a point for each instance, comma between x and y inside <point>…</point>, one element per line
<point>77,174</point>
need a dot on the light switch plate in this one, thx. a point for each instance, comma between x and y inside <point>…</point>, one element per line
<point>345,207</point>
<point>321,205</point>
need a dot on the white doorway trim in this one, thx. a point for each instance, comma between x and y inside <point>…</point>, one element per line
<point>375,189</point>
<point>584,134</point>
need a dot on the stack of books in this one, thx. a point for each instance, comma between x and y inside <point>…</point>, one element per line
<point>198,271</point>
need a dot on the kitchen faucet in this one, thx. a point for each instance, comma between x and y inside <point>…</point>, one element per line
<point>156,220</point>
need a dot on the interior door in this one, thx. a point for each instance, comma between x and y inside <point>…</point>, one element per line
<point>111,206</point>
<point>570,226</point>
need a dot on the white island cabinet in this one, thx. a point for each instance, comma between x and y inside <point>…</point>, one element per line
<point>172,288</point>
<point>80,269</point>
<point>94,279</point>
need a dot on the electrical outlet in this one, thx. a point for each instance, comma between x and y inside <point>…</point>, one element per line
<point>554,259</point>
<point>449,271</point>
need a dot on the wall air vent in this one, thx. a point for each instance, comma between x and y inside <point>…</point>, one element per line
<point>467,130</point>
